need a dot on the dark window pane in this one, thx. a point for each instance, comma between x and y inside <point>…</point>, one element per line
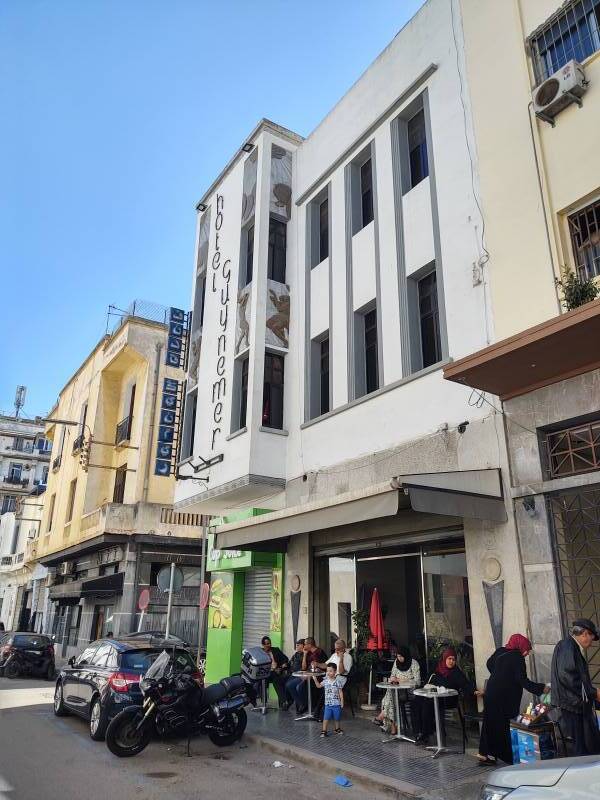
<point>120,477</point>
<point>244,392</point>
<point>323,230</point>
<point>573,33</point>
<point>272,416</point>
<point>249,254</point>
<point>324,376</point>
<point>372,376</point>
<point>366,192</point>
<point>430,321</point>
<point>277,250</point>
<point>417,149</point>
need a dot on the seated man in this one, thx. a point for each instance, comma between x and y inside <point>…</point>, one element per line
<point>342,660</point>
<point>296,687</point>
<point>279,666</point>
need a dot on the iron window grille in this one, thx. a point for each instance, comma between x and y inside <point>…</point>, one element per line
<point>572,33</point>
<point>123,430</point>
<point>573,450</point>
<point>584,227</point>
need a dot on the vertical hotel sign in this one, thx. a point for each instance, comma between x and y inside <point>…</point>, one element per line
<point>171,399</point>
<point>220,269</point>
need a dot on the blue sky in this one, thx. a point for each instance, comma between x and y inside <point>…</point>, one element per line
<point>117,115</point>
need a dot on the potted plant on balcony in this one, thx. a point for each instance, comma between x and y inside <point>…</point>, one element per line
<point>576,291</point>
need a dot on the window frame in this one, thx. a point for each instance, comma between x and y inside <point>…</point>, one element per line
<point>420,148</point>
<point>323,243</point>
<point>585,270</point>
<point>434,314</point>
<point>366,193</point>
<point>120,484</point>
<point>277,250</point>
<point>71,501</point>
<point>268,386</point>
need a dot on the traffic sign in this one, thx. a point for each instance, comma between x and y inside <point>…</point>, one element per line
<point>144,599</point>
<point>204,594</point>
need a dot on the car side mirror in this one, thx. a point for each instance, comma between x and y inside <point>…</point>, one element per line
<point>71,661</point>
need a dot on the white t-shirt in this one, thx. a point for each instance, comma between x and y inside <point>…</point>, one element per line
<point>335,659</point>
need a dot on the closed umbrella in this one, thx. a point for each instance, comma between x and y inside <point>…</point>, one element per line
<point>377,635</point>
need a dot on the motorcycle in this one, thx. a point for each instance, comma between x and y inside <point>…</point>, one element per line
<point>21,662</point>
<point>175,704</point>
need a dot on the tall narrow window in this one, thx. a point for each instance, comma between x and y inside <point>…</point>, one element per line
<point>131,406</point>
<point>199,300</point>
<point>189,425</point>
<point>243,391</point>
<point>277,250</point>
<point>119,490</point>
<point>272,414</point>
<point>371,370</point>
<point>51,512</point>
<point>71,500</point>
<point>323,230</point>
<point>249,254</point>
<point>366,192</point>
<point>417,148</point>
<point>324,376</point>
<point>429,317</point>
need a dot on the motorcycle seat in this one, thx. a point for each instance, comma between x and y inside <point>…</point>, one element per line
<point>214,693</point>
<point>233,683</point>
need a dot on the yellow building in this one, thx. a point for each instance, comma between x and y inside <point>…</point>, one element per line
<point>536,118</point>
<point>108,526</point>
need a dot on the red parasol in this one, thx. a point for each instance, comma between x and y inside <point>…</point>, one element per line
<point>377,637</point>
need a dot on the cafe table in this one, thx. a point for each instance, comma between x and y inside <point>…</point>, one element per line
<point>307,675</point>
<point>435,695</point>
<point>401,733</point>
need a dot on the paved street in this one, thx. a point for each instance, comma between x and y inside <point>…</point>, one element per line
<point>46,758</point>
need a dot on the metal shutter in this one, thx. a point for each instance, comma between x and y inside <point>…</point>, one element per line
<point>257,606</point>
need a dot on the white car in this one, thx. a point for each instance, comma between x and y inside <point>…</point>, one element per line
<point>555,779</point>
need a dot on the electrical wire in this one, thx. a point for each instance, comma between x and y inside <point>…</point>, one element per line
<point>483,399</point>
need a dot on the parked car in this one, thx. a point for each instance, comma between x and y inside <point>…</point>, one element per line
<point>555,779</point>
<point>154,635</point>
<point>26,653</point>
<point>104,679</point>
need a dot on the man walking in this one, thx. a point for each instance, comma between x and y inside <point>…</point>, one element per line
<point>572,689</point>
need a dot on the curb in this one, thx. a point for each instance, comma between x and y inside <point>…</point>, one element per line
<point>367,779</point>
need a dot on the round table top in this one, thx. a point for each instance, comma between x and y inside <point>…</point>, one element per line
<point>306,673</point>
<point>430,694</point>
<point>399,685</point>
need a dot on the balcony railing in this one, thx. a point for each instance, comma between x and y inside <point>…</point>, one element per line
<point>123,431</point>
<point>15,480</point>
<point>78,443</point>
<point>56,463</point>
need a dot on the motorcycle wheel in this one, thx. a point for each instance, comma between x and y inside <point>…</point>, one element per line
<point>232,729</point>
<point>123,739</point>
<point>11,670</point>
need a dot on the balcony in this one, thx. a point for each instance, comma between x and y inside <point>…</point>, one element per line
<point>78,443</point>
<point>56,463</point>
<point>139,518</point>
<point>15,480</point>
<point>123,431</point>
<point>11,563</point>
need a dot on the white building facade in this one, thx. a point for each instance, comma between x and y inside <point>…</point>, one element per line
<point>335,276</point>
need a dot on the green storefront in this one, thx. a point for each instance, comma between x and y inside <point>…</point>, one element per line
<point>245,604</point>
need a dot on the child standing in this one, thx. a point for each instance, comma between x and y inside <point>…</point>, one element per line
<point>334,698</point>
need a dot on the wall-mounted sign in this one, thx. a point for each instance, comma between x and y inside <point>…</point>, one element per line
<point>177,338</point>
<point>170,408</point>
<point>221,276</point>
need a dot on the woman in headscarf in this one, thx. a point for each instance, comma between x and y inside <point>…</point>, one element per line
<point>503,694</point>
<point>448,674</point>
<point>405,669</point>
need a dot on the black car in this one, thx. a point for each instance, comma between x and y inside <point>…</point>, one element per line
<point>26,653</point>
<point>105,679</point>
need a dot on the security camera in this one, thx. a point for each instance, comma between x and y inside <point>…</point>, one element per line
<point>462,427</point>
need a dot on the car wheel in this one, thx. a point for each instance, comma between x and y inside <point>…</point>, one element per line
<point>11,670</point>
<point>59,702</point>
<point>98,721</point>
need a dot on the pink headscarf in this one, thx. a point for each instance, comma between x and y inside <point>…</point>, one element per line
<point>519,642</point>
<point>442,668</point>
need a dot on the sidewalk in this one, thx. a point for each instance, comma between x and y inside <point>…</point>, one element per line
<point>400,767</point>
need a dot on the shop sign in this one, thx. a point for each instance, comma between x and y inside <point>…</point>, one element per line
<point>170,411</point>
<point>220,604</point>
<point>226,559</point>
<point>177,338</point>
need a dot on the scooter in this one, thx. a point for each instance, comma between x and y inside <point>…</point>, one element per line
<point>174,703</point>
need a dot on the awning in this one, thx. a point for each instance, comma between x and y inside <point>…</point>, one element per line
<point>474,494</point>
<point>103,586</point>
<point>272,531</point>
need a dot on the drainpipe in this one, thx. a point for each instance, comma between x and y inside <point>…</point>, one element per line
<point>159,348</point>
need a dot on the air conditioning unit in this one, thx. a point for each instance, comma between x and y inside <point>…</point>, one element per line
<point>66,568</point>
<point>566,86</point>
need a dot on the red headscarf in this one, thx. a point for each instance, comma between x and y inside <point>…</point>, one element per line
<point>519,642</point>
<point>442,668</point>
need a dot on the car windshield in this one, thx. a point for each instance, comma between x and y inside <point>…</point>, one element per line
<point>29,641</point>
<point>154,663</point>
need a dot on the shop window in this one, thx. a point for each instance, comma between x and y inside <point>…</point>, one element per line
<point>272,410</point>
<point>277,250</point>
<point>417,148</point>
<point>571,449</point>
<point>584,228</point>
<point>120,478</point>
